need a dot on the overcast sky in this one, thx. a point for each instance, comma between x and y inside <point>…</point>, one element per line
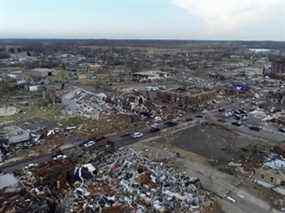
<point>166,19</point>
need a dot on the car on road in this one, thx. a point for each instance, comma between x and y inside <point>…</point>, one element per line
<point>137,135</point>
<point>221,110</point>
<point>254,128</point>
<point>155,127</point>
<point>31,165</point>
<point>199,116</point>
<point>231,199</point>
<point>59,157</point>
<point>281,130</point>
<point>237,117</point>
<point>89,144</point>
<point>240,112</point>
<point>158,119</point>
<point>236,123</point>
<point>188,119</point>
<point>170,123</point>
<point>221,120</point>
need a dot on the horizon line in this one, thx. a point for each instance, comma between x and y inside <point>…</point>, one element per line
<point>137,39</point>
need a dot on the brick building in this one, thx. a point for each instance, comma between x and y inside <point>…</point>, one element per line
<point>278,65</point>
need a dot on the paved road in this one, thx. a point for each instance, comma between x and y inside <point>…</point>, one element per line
<point>118,141</point>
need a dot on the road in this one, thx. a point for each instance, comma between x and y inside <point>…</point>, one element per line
<point>118,141</point>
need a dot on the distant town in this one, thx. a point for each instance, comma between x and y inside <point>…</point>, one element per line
<point>119,126</point>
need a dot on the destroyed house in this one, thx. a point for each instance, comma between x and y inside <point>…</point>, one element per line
<point>40,73</point>
<point>272,175</point>
<point>276,97</point>
<point>15,135</point>
<point>85,103</point>
<point>152,75</point>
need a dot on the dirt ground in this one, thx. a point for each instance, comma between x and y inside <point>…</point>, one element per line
<point>212,142</point>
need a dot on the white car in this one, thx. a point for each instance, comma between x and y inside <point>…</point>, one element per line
<point>158,119</point>
<point>59,157</point>
<point>89,144</point>
<point>31,165</point>
<point>137,135</point>
<point>231,199</point>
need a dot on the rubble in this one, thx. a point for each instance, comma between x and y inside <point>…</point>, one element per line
<point>127,179</point>
<point>123,181</point>
<point>272,174</point>
<point>85,103</point>
<point>16,135</point>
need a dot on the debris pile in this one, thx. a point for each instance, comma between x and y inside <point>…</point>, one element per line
<point>16,197</point>
<point>85,103</point>
<point>42,189</point>
<point>124,181</point>
<point>127,181</point>
<point>137,102</point>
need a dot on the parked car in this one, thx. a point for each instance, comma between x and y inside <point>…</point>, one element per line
<point>89,144</point>
<point>154,127</point>
<point>158,119</point>
<point>59,157</point>
<point>254,128</point>
<point>31,165</point>
<point>137,135</point>
<point>170,123</point>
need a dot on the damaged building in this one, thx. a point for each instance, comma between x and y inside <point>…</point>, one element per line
<point>15,135</point>
<point>272,175</point>
<point>187,99</point>
<point>149,76</point>
<point>276,97</point>
<point>80,102</point>
<point>278,65</point>
<point>277,68</point>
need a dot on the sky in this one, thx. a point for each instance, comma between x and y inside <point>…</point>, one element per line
<point>144,19</point>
